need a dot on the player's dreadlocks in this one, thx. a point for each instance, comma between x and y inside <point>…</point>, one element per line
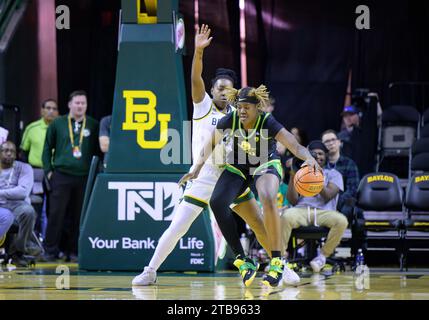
<point>258,96</point>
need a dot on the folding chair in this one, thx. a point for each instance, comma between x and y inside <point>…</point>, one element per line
<point>417,214</point>
<point>399,128</point>
<point>380,196</point>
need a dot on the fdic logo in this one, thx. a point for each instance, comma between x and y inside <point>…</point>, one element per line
<point>133,196</point>
<point>143,117</point>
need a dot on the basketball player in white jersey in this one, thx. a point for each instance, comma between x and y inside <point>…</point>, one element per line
<point>207,112</point>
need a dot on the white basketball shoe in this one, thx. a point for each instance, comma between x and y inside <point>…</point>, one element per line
<point>146,278</point>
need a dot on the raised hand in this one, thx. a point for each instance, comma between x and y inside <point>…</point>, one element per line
<point>202,37</point>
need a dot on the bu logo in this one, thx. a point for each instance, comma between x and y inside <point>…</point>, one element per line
<point>143,117</point>
<point>149,196</point>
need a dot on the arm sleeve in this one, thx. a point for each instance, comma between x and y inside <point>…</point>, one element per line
<point>105,127</point>
<point>47,148</point>
<point>25,143</point>
<point>272,125</point>
<point>202,108</point>
<point>336,178</point>
<point>23,189</point>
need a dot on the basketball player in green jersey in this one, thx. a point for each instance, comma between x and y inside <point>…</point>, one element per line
<point>206,114</point>
<point>250,136</point>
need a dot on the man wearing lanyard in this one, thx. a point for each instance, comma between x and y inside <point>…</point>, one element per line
<point>71,142</point>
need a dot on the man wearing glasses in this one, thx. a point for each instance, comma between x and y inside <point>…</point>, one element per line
<point>349,170</point>
<point>34,136</point>
<point>32,144</point>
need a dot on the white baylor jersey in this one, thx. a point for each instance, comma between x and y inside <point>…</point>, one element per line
<point>204,121</point>
<point>205,118</point>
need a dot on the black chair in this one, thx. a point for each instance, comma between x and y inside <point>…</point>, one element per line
<point>419,157</point>
<point>312,237</point>
<point>380,196</point>
<point>424,131</point>
<point>417,209</point>
<point>400,126</point>
<point>425,119</point>
<point>6,257</point>
<point>37,198</point>
<point>26,260</point>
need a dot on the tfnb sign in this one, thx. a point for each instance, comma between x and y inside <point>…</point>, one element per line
<point>133,197</point>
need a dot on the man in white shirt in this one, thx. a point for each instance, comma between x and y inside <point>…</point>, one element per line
<point>319,210</point>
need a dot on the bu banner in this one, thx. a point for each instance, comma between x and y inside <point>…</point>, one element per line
<point>129,213</point>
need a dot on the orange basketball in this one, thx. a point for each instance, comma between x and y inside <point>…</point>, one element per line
<point>307,182</point>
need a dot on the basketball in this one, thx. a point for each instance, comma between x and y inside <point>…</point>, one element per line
<point>307,182</point>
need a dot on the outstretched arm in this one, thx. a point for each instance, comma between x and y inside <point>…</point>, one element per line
<point>205,153</point>
<point>202,40</point>
<point>289,141</point>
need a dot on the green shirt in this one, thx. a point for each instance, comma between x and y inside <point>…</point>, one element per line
<point>33,141</point>
<point>58,152</point>
<point>281,197</point>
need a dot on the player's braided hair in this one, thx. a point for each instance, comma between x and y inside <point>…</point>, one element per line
<point>258,96</point>
<point>231,94</point>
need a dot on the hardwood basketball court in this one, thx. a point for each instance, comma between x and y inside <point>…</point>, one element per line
<point>40,283</point>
